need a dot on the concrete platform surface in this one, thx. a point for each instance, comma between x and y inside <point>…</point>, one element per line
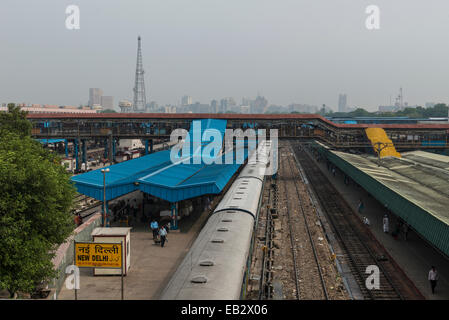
<point>151,265</point>
<point>415,256</point>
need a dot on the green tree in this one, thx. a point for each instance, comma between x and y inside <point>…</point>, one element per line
<point>15,121</point>
<point>35,201</point>
<point>108,111</point>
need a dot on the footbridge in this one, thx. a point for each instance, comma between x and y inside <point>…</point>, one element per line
<point>149,126</point>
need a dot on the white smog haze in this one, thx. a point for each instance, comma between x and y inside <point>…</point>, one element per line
<point>290,51</point>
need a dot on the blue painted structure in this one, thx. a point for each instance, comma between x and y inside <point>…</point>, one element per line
<point>433,143</point>
<point>157,175</point>
<point>121,177</point>
<point>186,181</point>
<point>48,141</point>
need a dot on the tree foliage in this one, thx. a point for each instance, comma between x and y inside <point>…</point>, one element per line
<point>35,201</point>
<point>15,121</point>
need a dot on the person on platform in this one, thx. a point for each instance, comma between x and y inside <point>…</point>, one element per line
<point>154,227</point>
<point>433,278</point>
<point>386,223</point>
<point>163,235</point>
<point>361,206</point>
<point>405,230</point>
<point>78,220</point>
<point>366,221</point>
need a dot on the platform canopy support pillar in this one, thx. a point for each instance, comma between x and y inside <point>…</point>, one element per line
<point>146,146</point>
<point>84,155</point>
<point>111,151</point>
<point>114,147</point>
<point>106,151</point>
<point>75,146</point>
<point>174,216</point>
<point>66,146</point>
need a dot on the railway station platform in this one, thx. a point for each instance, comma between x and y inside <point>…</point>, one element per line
<point>151,266</point>
<point>415,255</point>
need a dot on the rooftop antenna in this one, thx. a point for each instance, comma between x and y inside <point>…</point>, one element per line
<point>139,85</point>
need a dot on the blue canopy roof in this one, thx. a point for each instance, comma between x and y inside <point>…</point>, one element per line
<point>47,141</point>
<point>121,177</point>
<point>185,181</point>
<point>158,176</point>
<point>205,124</point>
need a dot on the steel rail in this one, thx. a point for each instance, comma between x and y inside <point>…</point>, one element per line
<point>312,243</point>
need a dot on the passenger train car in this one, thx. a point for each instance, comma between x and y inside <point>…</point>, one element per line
<point>216,264</point>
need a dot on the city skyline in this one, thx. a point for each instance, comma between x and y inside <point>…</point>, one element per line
<point>267,47</point>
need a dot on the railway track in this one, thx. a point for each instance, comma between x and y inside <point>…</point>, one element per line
<point>266,286</point>
<point>304,253</point>
<point>357,246</point>
<point>85,210</point>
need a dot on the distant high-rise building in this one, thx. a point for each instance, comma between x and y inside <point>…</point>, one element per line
<point>259,105</point>
<point>214,106</point>
<point>107,102</point>
<point>95,96</point>
<point>342,103</point>
<point>226,104</point>
<point>186,100</point>
<point>246,101</point>
<point>152,106</point>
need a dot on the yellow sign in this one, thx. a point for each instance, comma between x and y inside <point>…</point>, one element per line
<point>103,255</point>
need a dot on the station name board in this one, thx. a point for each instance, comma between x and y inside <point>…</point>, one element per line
<point>100,255</point>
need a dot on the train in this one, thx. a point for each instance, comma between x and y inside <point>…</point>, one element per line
<point>216,265</point>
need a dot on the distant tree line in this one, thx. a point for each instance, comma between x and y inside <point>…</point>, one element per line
<point>437,111</point>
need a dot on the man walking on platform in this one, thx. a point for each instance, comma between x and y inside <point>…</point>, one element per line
<point>433,278</point>
<point>154,226</point>
<point>163,234</point>
<point>385,223</point>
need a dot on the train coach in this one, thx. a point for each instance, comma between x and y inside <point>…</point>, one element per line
<point>216,263</point>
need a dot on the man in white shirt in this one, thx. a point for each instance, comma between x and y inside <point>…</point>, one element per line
<point>433,278</point>
<point>163,234</point>
<point>366,221</point>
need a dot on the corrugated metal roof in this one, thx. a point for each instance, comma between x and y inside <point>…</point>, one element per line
<point>121,177</point>
<point>160,177</point>
<point>416,188</point>
<point>423,185</point>
<point>185,181</point>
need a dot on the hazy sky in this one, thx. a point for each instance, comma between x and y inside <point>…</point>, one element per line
<point>303,51</point>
